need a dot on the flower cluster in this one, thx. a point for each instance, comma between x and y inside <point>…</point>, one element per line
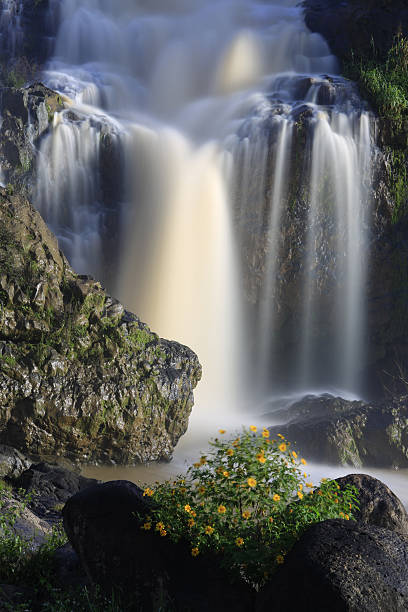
<point>249,500</point>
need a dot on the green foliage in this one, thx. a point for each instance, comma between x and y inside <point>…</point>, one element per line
<point>398,181</point>
<point>248,501</point>
<point>384,82</point>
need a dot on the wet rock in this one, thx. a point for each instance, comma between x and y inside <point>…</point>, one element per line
<point>27,113</point>
<point>73,381</point>
<point>377,503</point>
<point>103,526</point>
<point>336,431</point>
<point>12,462</point>
<point>340,565</point>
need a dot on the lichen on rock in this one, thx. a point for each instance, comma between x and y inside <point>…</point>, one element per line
<point>80,377</point>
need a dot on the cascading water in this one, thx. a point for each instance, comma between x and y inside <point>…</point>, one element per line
<point>198,136</point>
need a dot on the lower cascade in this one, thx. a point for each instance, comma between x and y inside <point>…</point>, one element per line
<point>213,170</point>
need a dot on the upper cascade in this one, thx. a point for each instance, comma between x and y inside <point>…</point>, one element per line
<point>213,170</point>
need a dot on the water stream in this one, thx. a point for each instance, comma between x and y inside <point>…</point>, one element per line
<point>213,170</point>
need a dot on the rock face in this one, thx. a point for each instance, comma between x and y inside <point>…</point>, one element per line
<point>377,503</point>
<point>103,526</point>
<point>357,25</point>
<point>340,565</point>
<point>27,29</point>
<point>12,462</point>
<point>336,431</point>
<point>80,377</point>
<point>27,114</point>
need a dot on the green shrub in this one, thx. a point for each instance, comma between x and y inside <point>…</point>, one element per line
<point>248,500</point>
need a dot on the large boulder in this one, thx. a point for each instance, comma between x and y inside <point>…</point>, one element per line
<point>50,487</point>
<point>377,503</point>
<point>80,377</point>
<point>103,524</point>
<point>339,565</point>
<point>332,430</point>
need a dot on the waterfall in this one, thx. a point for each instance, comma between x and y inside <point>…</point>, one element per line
<point>213,171</point>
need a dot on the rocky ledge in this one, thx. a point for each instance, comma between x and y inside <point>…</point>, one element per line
<point>80,377</point>
<point>336,431</point>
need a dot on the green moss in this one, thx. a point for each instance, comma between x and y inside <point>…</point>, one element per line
<point>384,82</point>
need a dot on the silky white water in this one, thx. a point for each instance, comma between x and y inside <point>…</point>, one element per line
<point>180,131</point>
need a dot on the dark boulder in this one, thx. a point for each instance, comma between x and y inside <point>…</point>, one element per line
<point>51,486</point>
<point>377,503</point>
<point>341,566</point>
<point>332,430</point>
<point>357,26</point>
<point>103,524</point>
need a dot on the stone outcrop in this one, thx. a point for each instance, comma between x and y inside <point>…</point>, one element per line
<point>377,503</point>
<point>80,377</point>
<point>103,525</point>
<point>27,114</point>
<point>336,431</point>
<point>358,26</point>
<point>341,565</point>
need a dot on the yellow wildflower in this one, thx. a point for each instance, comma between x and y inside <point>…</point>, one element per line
<point>197,464</point>
<point>270,519</point>
<point>300,494</point>
<point>280,559</point>
<point>146,526</point>
<point>149,492</point>
<point>281,437</point>
<point>253,428</point>
<point>229,452</point>
<point>193,513</point>
<point>235,442</point>
<point>346,516</point>
<point>222,509</point>
<point>303,461</point>
<point>194,552</point>
<point>187,508</point>
<point>300,487</point>
<point>246,514</point>
<point>251,482</point>
<point>276,497</point>
<point>282,447</point>
<point>191,522</point>
<point>163,532</point>
<point>222,431</point>
<point>201,490</point>
<point>309,485</point>
<point>159,526</point>
<point>304,475</point>
<point>265,433</point>
<point>261,458</point>
<point>294,454</point>
<point>239,542</point>
<point>226,474</point>
<point>209,530</point>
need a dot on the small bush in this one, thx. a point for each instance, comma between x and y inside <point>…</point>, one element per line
<point>248,500</point>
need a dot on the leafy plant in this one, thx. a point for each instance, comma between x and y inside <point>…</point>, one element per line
<point>248,501</point>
